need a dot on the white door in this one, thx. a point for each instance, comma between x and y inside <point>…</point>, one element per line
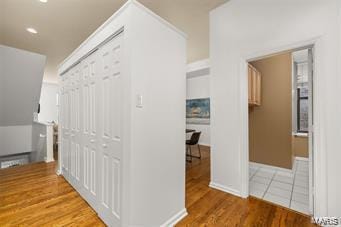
<point>110,128</point>
<point>65,122</point>
<point>90,71</point>
<point>75,135</point>
<point>311,129</point>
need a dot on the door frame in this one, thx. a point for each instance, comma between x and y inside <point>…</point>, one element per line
<point>319,188</point>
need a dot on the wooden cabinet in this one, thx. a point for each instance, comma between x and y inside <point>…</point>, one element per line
<point>254,86</point>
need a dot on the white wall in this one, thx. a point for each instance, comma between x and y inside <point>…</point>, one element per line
<point>48,103</point>
<point>1,85</point>
<point>22,78</point>
<point>199,87</point>
<point>246,27</point>
<point>157,173</point>
<point>15,139</point>
<point>21,74</point>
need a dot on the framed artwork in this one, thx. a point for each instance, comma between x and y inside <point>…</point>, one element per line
<point>198,111</point>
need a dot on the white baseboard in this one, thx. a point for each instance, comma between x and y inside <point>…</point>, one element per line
<point>175,219</point>
<point>59,172</point>
<point>301,159</point>
<point>48,160</point>
<point>225,189</point>
<point>270,167</point>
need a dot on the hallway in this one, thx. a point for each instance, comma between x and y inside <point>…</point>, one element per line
<point>35,195</point>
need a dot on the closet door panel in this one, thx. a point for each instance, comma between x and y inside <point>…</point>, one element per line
<point>88,130</point>
<point>110,128</point>
<point>65,133</point>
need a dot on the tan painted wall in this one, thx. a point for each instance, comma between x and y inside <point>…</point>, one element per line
<point>300,146</point>
<point>270,124</point>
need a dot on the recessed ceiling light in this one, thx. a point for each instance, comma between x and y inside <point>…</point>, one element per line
<point>43,1</point>
<point>32,30</point>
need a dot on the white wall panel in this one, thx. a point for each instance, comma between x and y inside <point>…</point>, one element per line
<point>86,167</point>
<point>116,185</point>
<point>93,176</point>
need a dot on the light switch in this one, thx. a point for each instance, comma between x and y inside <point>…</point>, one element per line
<point>139,102</point>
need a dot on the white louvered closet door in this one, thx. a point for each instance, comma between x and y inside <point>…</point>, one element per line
<point>110,126</point>
<point>65,124</point>
<point>90,68</point>
<point>91,129</point>
<point>75,135</point>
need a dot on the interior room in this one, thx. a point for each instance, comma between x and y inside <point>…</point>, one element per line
<point>170,113</point>
<point>278,129</point>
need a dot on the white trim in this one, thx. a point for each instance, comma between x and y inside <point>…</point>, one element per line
<point>175,219</point>
<point>198,65</point>
<point>59,172</point>
<point>300,134</point>
<point>198,68</point>
<point>256,164</point>
<point>320,170</point>
<point>301,159</point>
<point>224,188</point>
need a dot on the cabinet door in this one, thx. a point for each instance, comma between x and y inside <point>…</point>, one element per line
<point>110,127</point>
<point>249,83</point>
<point>254,86</point>
<point>258,88</point>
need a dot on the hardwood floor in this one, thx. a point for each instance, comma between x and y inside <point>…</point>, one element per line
<point>33,195</point>
<point>211,207</point>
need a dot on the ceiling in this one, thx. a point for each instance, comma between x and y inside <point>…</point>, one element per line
<point>62,25</point>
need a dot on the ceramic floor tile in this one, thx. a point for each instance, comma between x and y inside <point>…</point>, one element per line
<point>259,186</point>
<point>298,173</point>
<point>261,180</point>
<point>302,178</point>
<point>281,185</point>
<point>257,193</point>
<point>301,198</point>
<point>303,208</point>
<point>279,192</point>
<point>301,190</point>
<point>285,173</point>
<point>303,184</point>
<point>283,179</point>
<point>277,199</point>
<point>265,173</point>
<point>253,168</point>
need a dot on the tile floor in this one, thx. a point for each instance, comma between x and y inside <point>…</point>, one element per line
<point>285,188</point>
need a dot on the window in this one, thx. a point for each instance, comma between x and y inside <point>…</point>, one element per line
<point>302,109</point>
<point>302,94</point>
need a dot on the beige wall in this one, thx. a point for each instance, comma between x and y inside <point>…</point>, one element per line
<point>270,124</point>
<point>300,146</point>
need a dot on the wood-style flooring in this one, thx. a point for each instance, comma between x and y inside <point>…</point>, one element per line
<point>33,195</point>
<point>210,207</point>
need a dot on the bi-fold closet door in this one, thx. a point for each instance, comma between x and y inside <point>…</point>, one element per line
<point>91,118</point>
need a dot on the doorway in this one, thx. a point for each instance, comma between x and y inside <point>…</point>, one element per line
<point>280,111</point>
